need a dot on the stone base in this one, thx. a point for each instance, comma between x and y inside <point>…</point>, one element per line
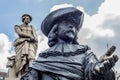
<point>11,75</point>
<point>12,78</point>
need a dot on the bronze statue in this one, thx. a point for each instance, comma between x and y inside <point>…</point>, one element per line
<point>25,45</point>
<point>66,59</point>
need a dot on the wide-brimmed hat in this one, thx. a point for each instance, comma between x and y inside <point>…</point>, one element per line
<point>69,14</point>
<point>26,15</point>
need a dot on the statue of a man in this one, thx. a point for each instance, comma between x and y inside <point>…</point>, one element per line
<point>25,45</point>
<point>66,59</point>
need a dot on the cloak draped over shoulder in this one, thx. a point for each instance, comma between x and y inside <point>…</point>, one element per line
<point>71,63</point>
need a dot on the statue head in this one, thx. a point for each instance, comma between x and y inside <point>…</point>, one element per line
<point>26,18</point>
<point>62,25</point>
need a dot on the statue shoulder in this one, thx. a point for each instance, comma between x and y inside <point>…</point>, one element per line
<point>86,48</point>
<point>17,27</point>
<point>31,74</point>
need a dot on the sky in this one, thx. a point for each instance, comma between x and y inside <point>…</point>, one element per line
<point>100,28</point>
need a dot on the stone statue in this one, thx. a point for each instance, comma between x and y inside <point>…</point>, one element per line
<point>66,59</point>
<point>25,46</point>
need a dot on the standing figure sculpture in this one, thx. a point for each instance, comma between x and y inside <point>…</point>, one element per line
<point>66,59</point>
<point>25,46</point>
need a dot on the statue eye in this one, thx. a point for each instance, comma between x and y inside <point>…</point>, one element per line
<point>70,26</point>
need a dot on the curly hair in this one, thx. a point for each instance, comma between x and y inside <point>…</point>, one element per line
<point>52,36</point>
<point>23,17</point>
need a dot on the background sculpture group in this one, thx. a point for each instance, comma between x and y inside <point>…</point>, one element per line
<point>25,48</point>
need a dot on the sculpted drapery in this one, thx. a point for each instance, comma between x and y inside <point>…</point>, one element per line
<point>65,64</point>
<point>25,47</point>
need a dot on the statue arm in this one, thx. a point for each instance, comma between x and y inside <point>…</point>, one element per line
<point>32,74</point>
<point>90,72</point>
<point>20,33</point>
<point>34,34</point>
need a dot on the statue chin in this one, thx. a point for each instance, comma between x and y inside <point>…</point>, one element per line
<point>69,36</point>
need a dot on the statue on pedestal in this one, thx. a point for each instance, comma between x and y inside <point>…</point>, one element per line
<point>25,46</point>
<point>66,59</point>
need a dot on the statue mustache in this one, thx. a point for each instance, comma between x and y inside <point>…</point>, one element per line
<point>67,31</point>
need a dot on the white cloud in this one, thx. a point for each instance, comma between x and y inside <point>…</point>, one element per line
<point>93,24</point>
<point>110,7</point>
<point>55,7</point>
<point>42,43</point>
<point>5,46</point>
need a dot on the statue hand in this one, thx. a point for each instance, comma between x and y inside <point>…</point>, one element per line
<point>107,61</point>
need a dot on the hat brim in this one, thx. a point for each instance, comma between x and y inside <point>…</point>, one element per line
<point>27,15</point>
<point>53,17</point>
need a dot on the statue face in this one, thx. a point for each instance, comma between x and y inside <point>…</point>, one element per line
<point>66,31</point>
<point>27,19</point>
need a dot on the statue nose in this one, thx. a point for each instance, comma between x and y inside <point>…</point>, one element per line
<point>72,28</point>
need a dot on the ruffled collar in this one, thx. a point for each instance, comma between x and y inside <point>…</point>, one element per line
<point>64,50</point>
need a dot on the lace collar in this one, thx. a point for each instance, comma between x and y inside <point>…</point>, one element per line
<point>64,50</point>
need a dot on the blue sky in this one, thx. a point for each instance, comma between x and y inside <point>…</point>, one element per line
<point>101,23</point>
<point>12,10</point>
